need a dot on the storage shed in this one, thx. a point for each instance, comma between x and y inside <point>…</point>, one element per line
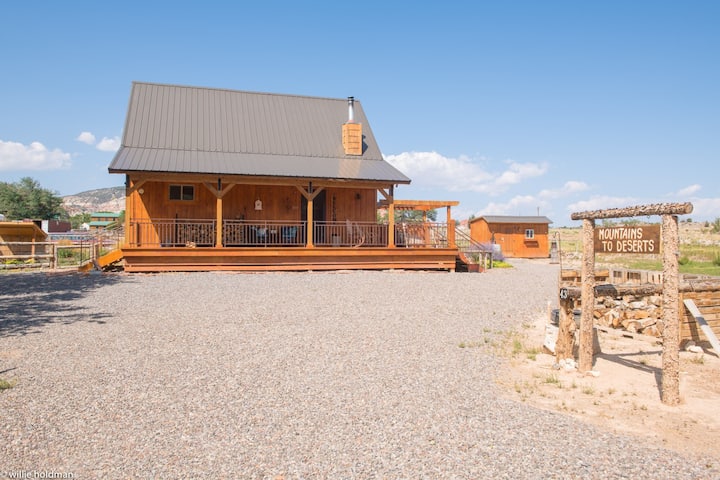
<point>515,236</point>
<point>18,238</point>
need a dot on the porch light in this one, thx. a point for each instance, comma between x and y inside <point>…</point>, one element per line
<point>258,204</point>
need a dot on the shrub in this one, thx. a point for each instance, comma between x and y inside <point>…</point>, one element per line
<point>716,226</point>
<point>683,260</point>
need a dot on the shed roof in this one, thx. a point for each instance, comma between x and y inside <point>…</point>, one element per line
<point>180,129</point>
<point>104,215</point>
<point>25,230</point>
<point>514,219</point>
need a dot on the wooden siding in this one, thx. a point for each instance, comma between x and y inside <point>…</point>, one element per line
<point>511,238</point>
<point>282,203</point>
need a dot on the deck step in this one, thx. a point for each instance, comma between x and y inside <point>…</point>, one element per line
<point>103,261</point>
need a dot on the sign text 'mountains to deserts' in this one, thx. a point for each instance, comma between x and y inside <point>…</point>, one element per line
<point>634,239</point>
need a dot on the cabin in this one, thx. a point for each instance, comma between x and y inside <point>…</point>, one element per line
<point>234,180</point>
<point>102,220</point>
<point>513,236</point>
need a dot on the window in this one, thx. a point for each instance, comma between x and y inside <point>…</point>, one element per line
<point>529,233</point>
<point>182,192</point>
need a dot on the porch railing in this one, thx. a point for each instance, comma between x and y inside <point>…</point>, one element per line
<point>350,234</point>
<point>172,232</point>
<point>272,233</point>
<point>203,233</point>
<point>421,235</point>
<point>242,233</point>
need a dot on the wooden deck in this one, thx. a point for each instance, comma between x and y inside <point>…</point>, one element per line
<point>186,259</point>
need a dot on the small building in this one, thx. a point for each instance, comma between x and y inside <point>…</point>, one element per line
<point>19,238</point>
<point>101,220</point>
<point>514,236</point>
<point>54,226</point>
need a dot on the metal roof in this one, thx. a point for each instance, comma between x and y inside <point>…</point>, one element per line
<point>179,129</point>
<point>513,219</point>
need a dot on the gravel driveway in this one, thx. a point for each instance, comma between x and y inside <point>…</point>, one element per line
<point>288,375</point>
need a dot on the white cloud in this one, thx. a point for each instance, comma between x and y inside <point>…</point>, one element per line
<point>571,187</point>
<point>518,205</point>
<point>16,156</point>
<point>602,203</point>
<point>86,137</point>
<point>517,172</point>
<point>108,144</point>
<point>705,208</point>
<point>688,191</point>
<point>433,170</point>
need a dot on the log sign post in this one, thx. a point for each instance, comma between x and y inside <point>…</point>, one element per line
<point>645,239</point>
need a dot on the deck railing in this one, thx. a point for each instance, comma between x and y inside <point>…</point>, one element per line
<point>173,233</point>
<point>202,233</point>
<point>244,233</point>
<point>271,233</point>
<point>425,235</point>
<point>350,234</point>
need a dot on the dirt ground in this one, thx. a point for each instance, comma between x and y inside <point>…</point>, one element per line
<point>625,397</point>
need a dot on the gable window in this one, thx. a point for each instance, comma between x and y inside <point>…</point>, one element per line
<point>182,192</point>
<point>529,233</point>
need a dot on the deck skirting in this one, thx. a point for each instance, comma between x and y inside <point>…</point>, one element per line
<point>186,259</point>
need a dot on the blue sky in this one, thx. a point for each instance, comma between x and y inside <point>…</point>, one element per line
<point>512,108</point>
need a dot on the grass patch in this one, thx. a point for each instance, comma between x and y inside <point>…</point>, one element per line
<point>5,384</point>
<point>552,380</point>
<point>588,390</point>
<point>694,259</point>
<point>532,353</point>
<point>698,360</point>
<point>500,264</point>
<point>517,347</point>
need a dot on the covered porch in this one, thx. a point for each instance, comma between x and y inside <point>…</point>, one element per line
<point>321,227</point>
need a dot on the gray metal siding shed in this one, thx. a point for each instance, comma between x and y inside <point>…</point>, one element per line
<point>178,129</point>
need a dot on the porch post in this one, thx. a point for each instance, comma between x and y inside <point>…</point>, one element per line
<point>451,229</point>
<point>391,218</point>
<point>310,201</point>
<point>426,230</point>
<point>129,240</point>
<point>219,223</point>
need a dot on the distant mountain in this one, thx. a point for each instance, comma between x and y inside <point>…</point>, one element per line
<point>100,200</point>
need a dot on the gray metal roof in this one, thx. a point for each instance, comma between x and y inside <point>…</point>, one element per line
<point>514,219</point>
<point>178,129</point>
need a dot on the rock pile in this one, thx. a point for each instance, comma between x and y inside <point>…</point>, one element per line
<point>633,313</point>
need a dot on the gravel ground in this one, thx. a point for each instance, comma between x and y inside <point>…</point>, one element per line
<point>288,375</point>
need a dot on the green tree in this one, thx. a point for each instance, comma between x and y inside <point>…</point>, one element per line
<point>408,216</point>
<point>27,199</point>
<point>414,215</point>
<point>76,221</point>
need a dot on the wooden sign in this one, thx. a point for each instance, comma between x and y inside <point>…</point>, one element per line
<point>631,239</point>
